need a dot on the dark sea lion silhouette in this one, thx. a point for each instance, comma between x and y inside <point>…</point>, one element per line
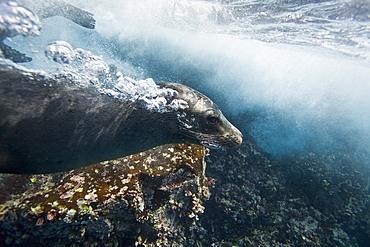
<point>50,124</point>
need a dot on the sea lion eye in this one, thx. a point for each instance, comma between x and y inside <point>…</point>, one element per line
<point>212,120</point>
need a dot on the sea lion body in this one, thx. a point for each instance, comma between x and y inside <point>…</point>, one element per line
<point>51,125</point>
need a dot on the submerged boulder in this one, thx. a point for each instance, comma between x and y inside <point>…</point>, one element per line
<point>147,198</point>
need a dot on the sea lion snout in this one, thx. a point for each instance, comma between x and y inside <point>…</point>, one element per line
<point>235,139</point>
<point>231,138</point>
<point>226,135</point>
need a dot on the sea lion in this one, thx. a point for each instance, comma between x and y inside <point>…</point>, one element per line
<point>51,124</point>
<point>22,18</point>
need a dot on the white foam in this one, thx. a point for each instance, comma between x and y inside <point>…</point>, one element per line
<point>148,93</point>
<point>17,20</point>
<point>84,69</point>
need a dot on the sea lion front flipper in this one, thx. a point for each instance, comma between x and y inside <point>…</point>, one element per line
<point>13,54</point>
<point>77,15</point>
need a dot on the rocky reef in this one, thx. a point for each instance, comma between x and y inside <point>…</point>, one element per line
<point>298,200</point>
<point>162,198</point>
<point>151,198</point>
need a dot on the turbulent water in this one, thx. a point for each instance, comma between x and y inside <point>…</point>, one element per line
<point>338,25</point>
<point>293,75</point>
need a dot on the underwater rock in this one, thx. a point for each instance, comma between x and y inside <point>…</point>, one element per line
<point>145,199</point>
<point>301,200</point>
<point>161,198</point>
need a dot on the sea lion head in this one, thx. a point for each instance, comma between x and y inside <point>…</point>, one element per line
<point>201,121</point>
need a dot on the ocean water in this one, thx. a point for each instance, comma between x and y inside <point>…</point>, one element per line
<point>294,76</point>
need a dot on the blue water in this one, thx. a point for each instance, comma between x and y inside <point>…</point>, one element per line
<point>294,76</point>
